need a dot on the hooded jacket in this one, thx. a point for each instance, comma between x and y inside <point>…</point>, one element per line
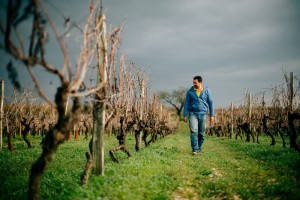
<point>198,105</point>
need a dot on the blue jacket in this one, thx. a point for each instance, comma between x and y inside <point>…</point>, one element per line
<point>199,105</point>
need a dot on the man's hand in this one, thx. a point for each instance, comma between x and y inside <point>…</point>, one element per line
<point>211,120</point>
<point>185,119</point>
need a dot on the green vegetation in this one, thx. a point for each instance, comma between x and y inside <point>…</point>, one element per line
<point>227,169</point>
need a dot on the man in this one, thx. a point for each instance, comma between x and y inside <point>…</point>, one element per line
<point>198,102</point>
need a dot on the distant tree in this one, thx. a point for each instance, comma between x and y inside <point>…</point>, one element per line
<point>175,98</point>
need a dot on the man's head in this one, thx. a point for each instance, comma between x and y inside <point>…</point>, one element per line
<point>198,78</point>
<point>197,81</point>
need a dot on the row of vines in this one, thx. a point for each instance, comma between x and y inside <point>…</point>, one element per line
<point>24,114</point>
<point>115,94</point>
<point>276,115</point>
<point>103,95</point>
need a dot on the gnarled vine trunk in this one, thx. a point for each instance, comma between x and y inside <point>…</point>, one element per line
<point>294,136</point>
<point>56,136</point>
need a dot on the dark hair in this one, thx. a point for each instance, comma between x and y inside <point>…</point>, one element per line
<point>198,78</point>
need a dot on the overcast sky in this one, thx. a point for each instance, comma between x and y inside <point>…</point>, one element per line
<point>235,45</point>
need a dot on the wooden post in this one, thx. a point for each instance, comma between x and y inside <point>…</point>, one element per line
<point>142,103</point>
<point>292,136</point>
<point>291,91</point>
<point>20,129</point>
<point>222,116</point>
<point>161,112</point>
<point>1,112</point>
<point>249,109</point>
<point>99,104</point>
<point>263,113</point>
<point>142,99</point>
<point>75,133</point>
<point>231,132</point>
<point>66,108</point>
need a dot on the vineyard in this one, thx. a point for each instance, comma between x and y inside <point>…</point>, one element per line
<point>227,169</point>
<point>151,143</point>
<point>105,135</point>
<point>254,116</point>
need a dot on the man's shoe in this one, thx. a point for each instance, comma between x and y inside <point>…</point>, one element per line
<point>194,152</point>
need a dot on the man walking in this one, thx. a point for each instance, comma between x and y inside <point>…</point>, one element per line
<point>198,102</point>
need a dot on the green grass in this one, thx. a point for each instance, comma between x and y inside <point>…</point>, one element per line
<point>227,169</point>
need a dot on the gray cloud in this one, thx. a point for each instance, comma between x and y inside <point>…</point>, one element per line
<point>242,43</point>
<point>236,45</point>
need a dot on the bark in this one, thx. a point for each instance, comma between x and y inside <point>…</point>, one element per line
<point>146,133</point>
<point>76,134</point>
<point>121,147</point>
<point>138,133</point>
<point>29,145</point>
<point>86,132</point>
<point>258,132</point>
<point>122,139</point>
<point>238,133</point>
<point>153,135</point>
<point>137,139</point>
<point>272,138</point>
<point>294,136</point>
<point>9,141</point>
<point>246,128</point>
<point>88,167</point>
<point>267,130</point>
<point>282,137</point>
<point>56,136</point>
<point>26,130</point>
<point>69,135</point>
<point>51,143</point>
<point>89,164</point>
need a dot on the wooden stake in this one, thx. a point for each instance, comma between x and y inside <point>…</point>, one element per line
<point>1,112</point>
<point>249,110</point>
<point>291,91</point>
<point>99,105</point>
<point>231,120</point>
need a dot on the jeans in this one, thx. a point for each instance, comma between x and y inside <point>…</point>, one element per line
<point>197,130</point>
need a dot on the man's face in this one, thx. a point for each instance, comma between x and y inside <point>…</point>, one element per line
<point>196,84</point>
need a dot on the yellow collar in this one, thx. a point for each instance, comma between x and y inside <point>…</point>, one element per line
<point>198,92</point>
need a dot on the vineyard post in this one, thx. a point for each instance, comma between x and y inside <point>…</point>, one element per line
<point>161,112</point>
<point>142,87</point>
<point>99,104</point>
<point>20,129</point>
<point>231,132</point>
<point>67,104</point>
<point>262,115</point>
<point>1,111</point>
<point>291,103</point>
<point>249,109</point>
<point>222,117</point>
<point>291,91</point>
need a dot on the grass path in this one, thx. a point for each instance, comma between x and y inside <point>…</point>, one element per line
<point>227,169</point>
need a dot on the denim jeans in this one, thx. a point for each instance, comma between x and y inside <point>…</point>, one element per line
<point>197,130</point>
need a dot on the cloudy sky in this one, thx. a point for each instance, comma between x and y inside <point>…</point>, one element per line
<point>237,46</point>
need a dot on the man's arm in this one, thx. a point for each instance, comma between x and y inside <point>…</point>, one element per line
<point>211,107</point>
<point>186,106</point>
